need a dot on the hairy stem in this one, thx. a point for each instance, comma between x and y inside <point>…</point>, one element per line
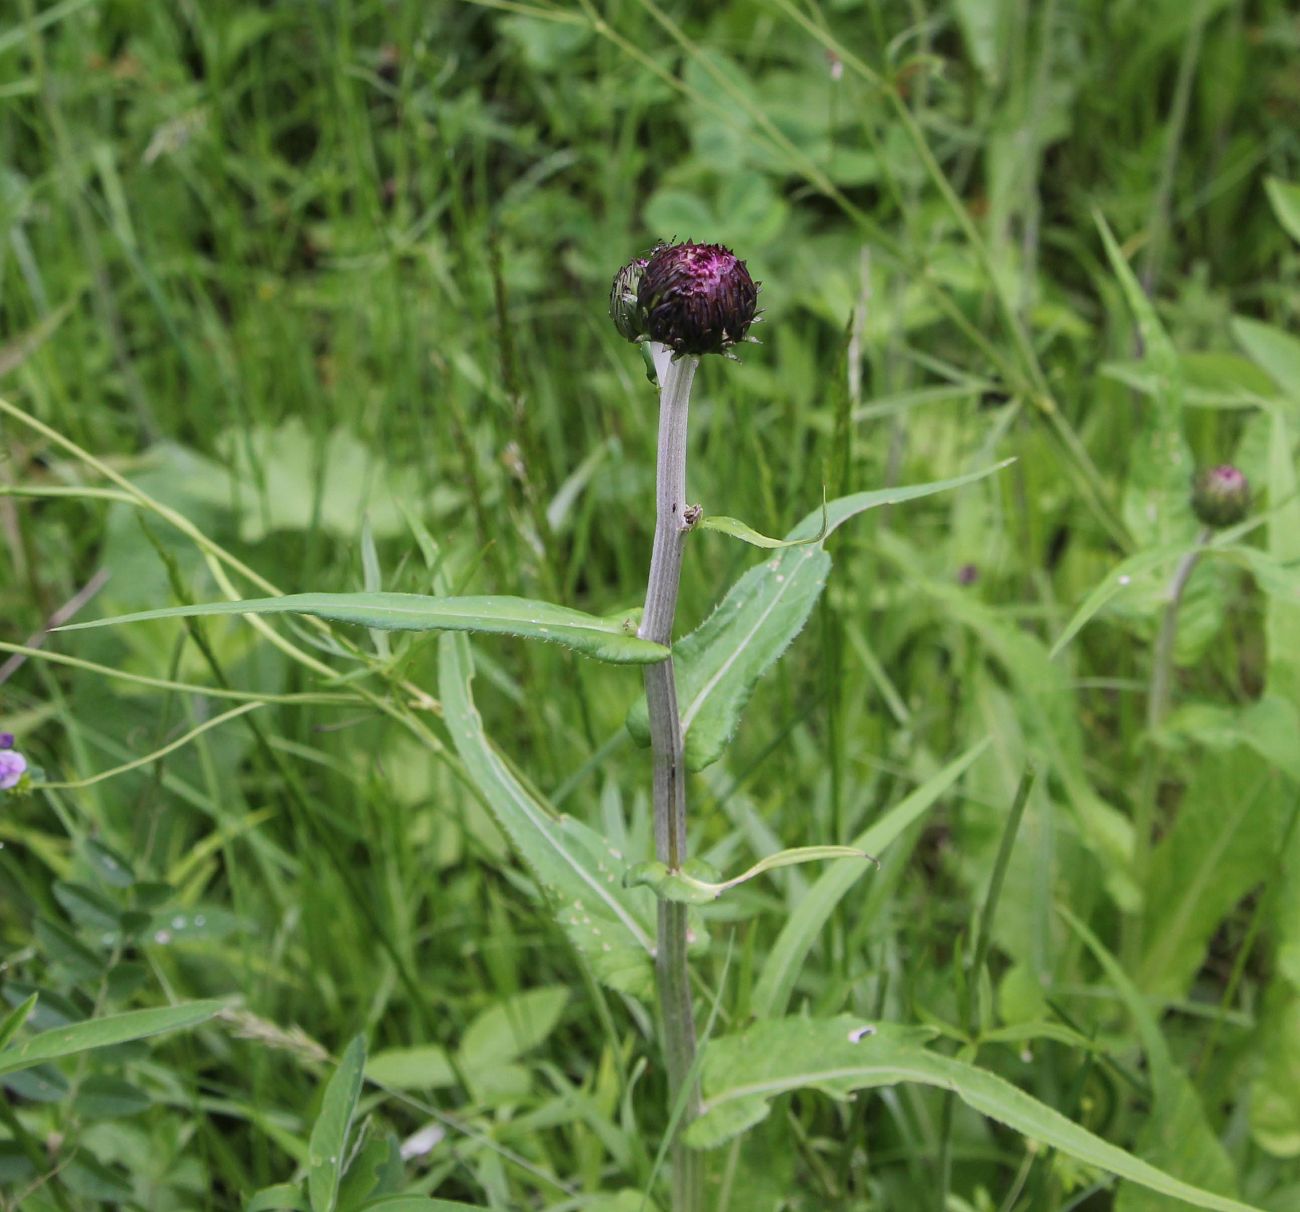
<point>671,967</point>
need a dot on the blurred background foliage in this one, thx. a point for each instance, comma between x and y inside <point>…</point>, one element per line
<point>320,274</point>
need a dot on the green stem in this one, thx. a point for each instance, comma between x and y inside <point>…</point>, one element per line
<point>672,969</point>
<point>981,941</point>
<point>1158,696</point>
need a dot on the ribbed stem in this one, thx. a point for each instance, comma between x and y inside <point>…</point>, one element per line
<point>671,967</point>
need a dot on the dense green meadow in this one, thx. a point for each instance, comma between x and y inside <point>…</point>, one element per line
<point>311,297</point>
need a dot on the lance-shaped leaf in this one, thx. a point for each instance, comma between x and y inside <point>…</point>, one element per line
<point>327,1150</point>
<point>742,1074</point>
<point>719,664</point>
<point>1160,469</point>
<point>605,639</point>
<point>580,873</point>
<point>103,1032</point>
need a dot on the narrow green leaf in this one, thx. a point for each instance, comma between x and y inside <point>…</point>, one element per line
<point>1125,577</point>
<point>842,509</point>
<point>1284,197</point>
<point>576,868</point>
<point>1282,637</point>
<point>373,579</point>
<point>1176,1136</point>
<point>718,665</point>
<point>1273,349</point>
<point>688,888</point>
<point>741,1074</point>
<point>1155,505</point>
<point>104,1032</point>
<point>15,1019</point>
<point>804,925</point>
<point>747,534</point>
<point>417,1203</point>
<point>283,1197</point>
<point>605,639</point>
<point>327,1148</point>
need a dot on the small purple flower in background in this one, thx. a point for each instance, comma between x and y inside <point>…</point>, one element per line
<point>13,766</point>
<point>967,574</point>
<point>6,740</point>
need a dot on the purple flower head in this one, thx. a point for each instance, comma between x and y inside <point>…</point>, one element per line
<point>696,298</point>
<point>1220,496</point>
<point>6,740</point>
<point>12,768</point>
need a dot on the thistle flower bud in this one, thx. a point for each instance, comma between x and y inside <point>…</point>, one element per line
<point>1220,496</point>
<point>623,309</point>
<point>696,298</point>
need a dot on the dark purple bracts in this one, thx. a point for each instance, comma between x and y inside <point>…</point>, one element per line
<point>696,298</point>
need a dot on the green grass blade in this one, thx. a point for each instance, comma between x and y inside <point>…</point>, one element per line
<point>612,640</point>
<point>15,1019</point>
<point>743,1073</point>
<point>1155,506</point>
<point>1284,196</point>
<point>1176,1134</point>
<point>804,925</point>
<point>1127,575</point>
<point>327,1149</point>
<point>104,1032</point>
<point>417,1203</point>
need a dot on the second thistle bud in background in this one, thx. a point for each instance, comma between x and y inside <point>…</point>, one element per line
<point>1220,496</point>
<point>623,308</point>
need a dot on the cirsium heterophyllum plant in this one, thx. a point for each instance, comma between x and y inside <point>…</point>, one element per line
<point>635,920</point>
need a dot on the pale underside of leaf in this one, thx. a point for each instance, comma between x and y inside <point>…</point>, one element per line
<point>579,872</point>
